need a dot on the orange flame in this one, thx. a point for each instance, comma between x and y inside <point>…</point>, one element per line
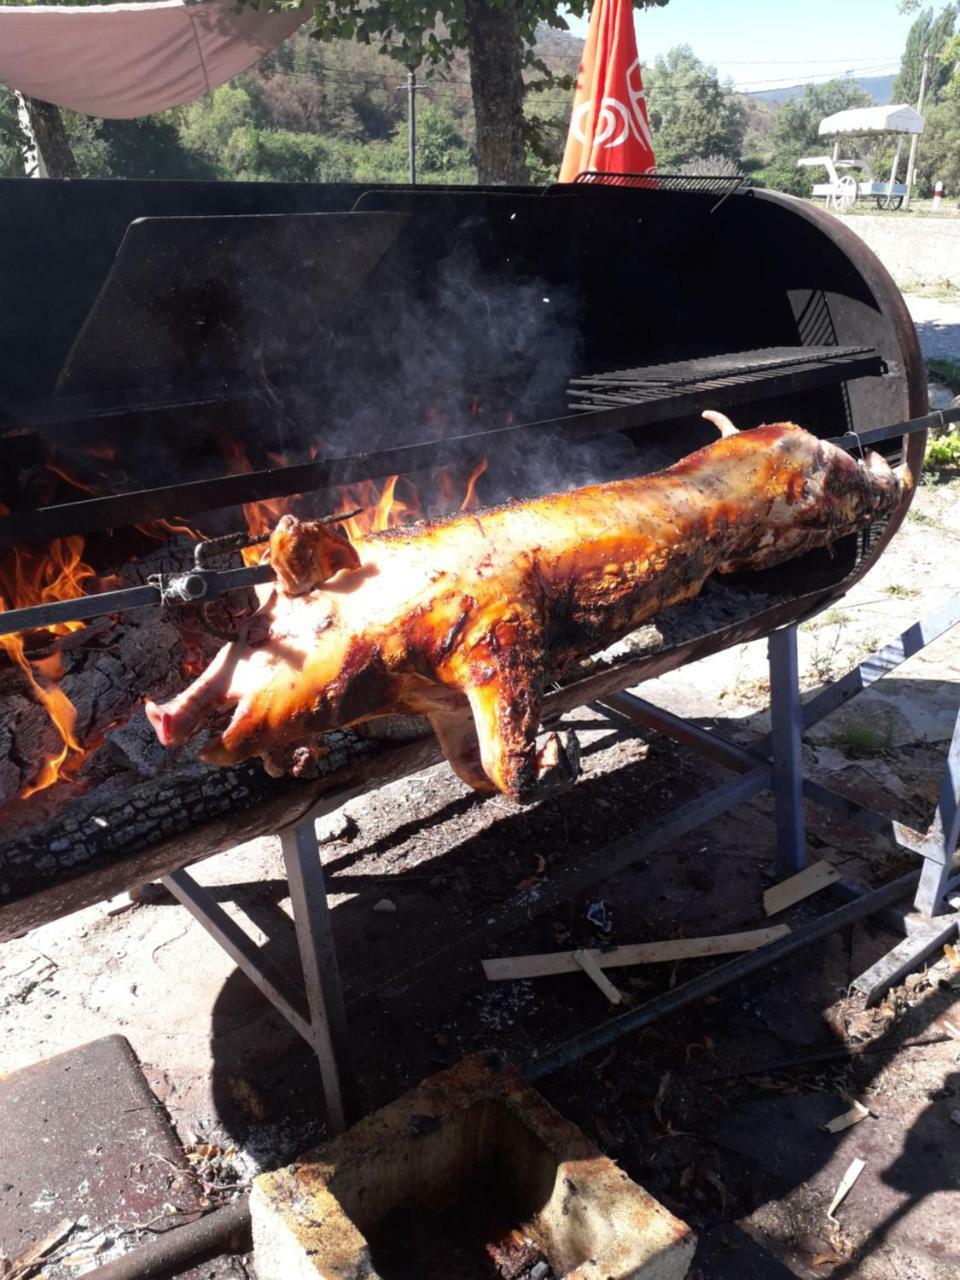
<point>105,452</point>
<point>63,474</point>
<point>259,516</point>
<point>161,528</point>
<point>470,497</point>
<point>30,578</point>
<point>384,508</point>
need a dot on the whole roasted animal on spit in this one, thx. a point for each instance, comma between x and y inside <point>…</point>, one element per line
<point>466,620</point>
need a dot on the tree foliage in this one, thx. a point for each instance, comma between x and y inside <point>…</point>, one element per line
<point>931,33</point>
<point>499,37</point>
<point>691,114</point>
<point>13,144</point>
<point>799,119</point>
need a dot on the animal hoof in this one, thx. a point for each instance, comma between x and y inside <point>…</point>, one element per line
<point>558,765</point>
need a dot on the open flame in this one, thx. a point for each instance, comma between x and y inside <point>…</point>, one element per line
<point>397,501</point>
<point>385,508</point>
<point>39,577</point>
<point>59,572</point>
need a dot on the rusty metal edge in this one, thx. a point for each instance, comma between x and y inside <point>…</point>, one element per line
<point>889,299</point>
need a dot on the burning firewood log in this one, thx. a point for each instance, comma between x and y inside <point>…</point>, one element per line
<point>465,620</point>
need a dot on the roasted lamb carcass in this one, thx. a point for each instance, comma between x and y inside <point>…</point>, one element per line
<point>465,620</point>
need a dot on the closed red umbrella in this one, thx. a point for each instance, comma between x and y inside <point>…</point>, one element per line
<point>609,129</point>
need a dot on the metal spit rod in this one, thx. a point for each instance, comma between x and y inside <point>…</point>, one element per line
<point>202,585</point>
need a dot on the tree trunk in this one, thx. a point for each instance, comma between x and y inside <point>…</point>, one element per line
<point>51,138</point>
<point>497,85</point>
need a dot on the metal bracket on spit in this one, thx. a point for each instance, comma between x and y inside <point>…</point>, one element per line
<point>200,585</point>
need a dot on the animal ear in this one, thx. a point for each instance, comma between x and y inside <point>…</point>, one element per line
<point>721,422</point>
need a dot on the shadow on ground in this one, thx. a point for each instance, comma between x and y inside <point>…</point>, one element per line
<point>700,1107</point>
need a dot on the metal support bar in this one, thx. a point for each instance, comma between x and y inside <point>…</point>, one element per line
<point>940,847</point>
<point>786,722</point>
<point>720,976</point>
<point>598,865</point>
<point>316,1013</point>
<point>940,872</point>
<point>924,936</point>
<point>910,642</point>
<point>328,1034</point>
<point>713,745</point>
<point>265,976</point>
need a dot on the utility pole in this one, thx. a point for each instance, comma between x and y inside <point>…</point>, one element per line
<point>412,125</point>
<point>912,162</point>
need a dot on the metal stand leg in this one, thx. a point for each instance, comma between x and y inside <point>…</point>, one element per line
<point>786,732</point>
<point>318,955</point>
<point>317,1014</point>
<point>933,924</point>
<point>939,849</point>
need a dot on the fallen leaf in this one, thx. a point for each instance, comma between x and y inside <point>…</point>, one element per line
<point>823,1259</point>
<point>952,953</point>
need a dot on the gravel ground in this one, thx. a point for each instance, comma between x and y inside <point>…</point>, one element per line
<point>938,324</point>
<point>916,251</point>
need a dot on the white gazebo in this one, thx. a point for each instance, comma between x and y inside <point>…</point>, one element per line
<point>844,189</point>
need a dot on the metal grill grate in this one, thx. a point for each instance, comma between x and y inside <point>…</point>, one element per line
<point>715,184</point>
<point>770,370</point>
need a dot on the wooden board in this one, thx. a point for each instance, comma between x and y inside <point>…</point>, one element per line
<point>542,966</point>
<point>806,882</point>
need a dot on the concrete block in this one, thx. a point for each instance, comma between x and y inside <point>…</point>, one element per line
<point>471,1162</point>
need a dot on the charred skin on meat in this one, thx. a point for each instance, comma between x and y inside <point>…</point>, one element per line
<point>465,620</point>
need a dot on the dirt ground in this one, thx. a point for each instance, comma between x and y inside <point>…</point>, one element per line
<point>710,1109</point>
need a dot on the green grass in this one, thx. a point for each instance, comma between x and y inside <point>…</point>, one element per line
<point>835,618</point>
<point>901,592</point>
<point>920,517</point>
<point>943,455</point>
<point>864,739</point>
<point>945,371</point>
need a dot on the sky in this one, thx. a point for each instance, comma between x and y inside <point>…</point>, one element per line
<point>762,44</point>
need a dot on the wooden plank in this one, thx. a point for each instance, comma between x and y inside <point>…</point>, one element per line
<point>593,971</point>
<point>794,889</point>
<point>504,968</point>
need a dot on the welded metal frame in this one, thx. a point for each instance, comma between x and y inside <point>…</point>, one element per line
<point>934,919</point>
<point>318,1012</point>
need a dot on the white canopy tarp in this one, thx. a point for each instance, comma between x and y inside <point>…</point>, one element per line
<point>895,119</point>
<point>126,60</point>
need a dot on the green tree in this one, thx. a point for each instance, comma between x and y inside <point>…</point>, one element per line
<point>932,34</point>
<point>691,114</point>
<point>13,144</point>
<point>499,37</point>
<point>938,156</point>
<point>799,120</point>
<point>796,134</point>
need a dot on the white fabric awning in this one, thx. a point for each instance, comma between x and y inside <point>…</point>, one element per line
<point>125,60</point>
<point>896,119</point>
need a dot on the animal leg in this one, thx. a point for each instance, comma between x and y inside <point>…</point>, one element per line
<point>506,712</point>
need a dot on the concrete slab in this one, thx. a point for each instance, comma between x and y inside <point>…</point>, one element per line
<point>83,1138</point>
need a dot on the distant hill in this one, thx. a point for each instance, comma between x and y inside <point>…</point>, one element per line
<point>880,88</point>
